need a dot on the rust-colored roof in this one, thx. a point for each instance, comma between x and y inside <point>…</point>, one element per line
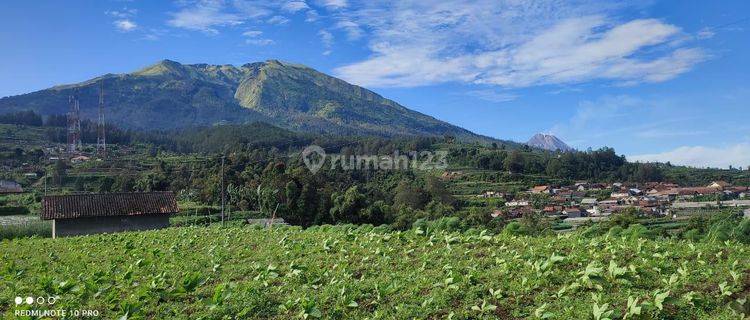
<point>108,204</point>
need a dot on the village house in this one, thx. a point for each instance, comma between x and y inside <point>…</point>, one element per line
<point>635,192</point>
<point>79,159</point>
<point>689,193</point>
<point>10,187</point>
<point>619,194</point>
<point>491,194</point>
<point>541,190</point>
<point>517,203</point>
<point>574,212</point>
<point>589,202</point>
<point>84,214</point>
<point>608,203</point>
<point>553,210</point>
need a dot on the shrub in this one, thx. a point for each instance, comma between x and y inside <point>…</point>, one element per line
<point>693,235</point>
<point>12,211</point>
<point>615,231</point>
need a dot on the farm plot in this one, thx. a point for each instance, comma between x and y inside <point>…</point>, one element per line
<point>344,272</point>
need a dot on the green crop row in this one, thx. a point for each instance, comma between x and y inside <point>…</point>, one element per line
<point>349,272</point>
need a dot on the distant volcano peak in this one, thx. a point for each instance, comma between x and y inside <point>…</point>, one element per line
<point>548,142</point>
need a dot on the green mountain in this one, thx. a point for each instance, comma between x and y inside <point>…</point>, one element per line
<point>171,95</point>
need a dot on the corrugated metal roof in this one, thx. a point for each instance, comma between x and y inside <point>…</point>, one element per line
<point>108,204</point>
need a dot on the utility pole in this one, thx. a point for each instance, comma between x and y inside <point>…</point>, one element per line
<point>222,189</point>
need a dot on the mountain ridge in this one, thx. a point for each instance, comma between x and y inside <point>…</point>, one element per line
<point>548,142</point>
<point>168,95</point>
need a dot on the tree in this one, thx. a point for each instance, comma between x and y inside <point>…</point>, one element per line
<point>534,223</point>
<point>59,172</point>
<point>514,162</point>
<point>478,217</point>
<point>408,195</point>
<point>437,191</point>
<point>648,172</point>
<point>347,206</point>
<point>624,219</point>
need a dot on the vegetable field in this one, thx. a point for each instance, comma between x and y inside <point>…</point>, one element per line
<point>347,272</point>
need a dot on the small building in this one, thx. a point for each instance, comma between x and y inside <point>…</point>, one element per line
<point>517,203</point>
<point>10,187</point>
<point>541,190</point>
<point>619,194</point>
<point>491,194</point>
<point>574,212</point>
<point>589,202</point>
<point>79,159</point>
<point>83,214</point>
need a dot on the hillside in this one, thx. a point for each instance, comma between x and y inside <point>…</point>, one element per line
<point>345,272</point>
<point>171,95</point>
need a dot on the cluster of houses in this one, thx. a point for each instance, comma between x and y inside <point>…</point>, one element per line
<point>585,199</point>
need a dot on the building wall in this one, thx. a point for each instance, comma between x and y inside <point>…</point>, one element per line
<point>94,225</point>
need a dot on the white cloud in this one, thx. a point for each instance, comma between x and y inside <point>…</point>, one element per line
<point>279,20</point>
<point>125,25</point>
<point>516,43</point>
<point>260,42</point>
<point>492,95</point>
<point>706,33</point>
<point>737,155</point>
<point>122,14</point>
<point>124,19</point>
<point>312,16</point>
<point>252,33</point>
<point>294,6</point>
<point>351,28</point>
<point>204,16</point>
<point>327,39</point>
<point>334,4</point>
<point>255,38</point>
<point>251,9</point>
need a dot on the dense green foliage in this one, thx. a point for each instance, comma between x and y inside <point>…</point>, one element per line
<point>359,272</point>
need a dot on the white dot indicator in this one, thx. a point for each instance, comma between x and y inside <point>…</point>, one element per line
<point>29,300</point>
<point>19,300</point>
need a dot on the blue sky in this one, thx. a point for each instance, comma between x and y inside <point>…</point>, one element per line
<point>656,80</point>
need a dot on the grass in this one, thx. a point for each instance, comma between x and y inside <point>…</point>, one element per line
<point>28,229</point>
<point>349,272</point>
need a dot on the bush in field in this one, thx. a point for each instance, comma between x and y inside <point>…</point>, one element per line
<point>624,219</point>
<point>636,231</point>
<point>693,235</point>
<point>615,231</point>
